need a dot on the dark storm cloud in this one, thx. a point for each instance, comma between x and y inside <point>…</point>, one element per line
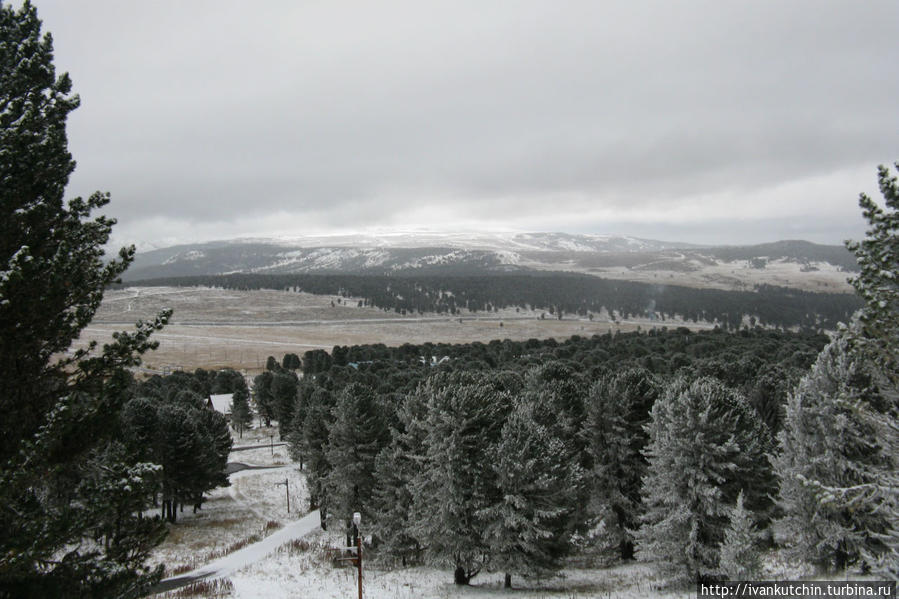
<point>221,118</point>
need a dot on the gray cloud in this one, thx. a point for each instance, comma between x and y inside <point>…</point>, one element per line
<point>213,119</point>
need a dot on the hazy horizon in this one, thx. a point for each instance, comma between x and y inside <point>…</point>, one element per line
<point>699,122</point>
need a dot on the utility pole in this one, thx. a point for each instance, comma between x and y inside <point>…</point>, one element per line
<point>286,484</point>
<point>359,563</point>
<point>357,560</point>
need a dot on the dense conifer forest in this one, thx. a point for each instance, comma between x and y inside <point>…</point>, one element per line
<point>541,434</point>
<point>557,294</point>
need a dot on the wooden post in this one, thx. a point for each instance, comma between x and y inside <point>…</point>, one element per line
<point>359,562</point>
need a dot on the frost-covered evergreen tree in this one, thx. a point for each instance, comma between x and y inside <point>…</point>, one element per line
<point>618,407</point>
<point>878,341</point>
<point>284,399</point>
<point>878,280</point>
<point>456,482</point>
<point>827,448</point>
<point>262,396</point>
<point>837,458</point>
<point>314,445</point>
<point>740,557</point>
<point>395,468</point>
<point>358,433</point>
<point>59,411</point>
<point>241,415</point>
<point>528,530</point>
<point>706,444</point>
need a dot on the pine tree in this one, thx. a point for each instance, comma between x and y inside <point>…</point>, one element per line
<point>60,411</point>
<point>395,468</point>
<point>878,280</point>
<point>284,397</point>
<point>455,483</point>
<point>314,447</point>
<point>356,436</point>
<point>241,415</point>
<point>706,443</point>
<point>740,557</point>
<point>263,398</point>
<point>829,458</point>
<point>618,408</point>
<point>878,342</point>
<point>528,529</point>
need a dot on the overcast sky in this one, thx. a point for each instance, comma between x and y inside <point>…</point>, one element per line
<point>707,122</point>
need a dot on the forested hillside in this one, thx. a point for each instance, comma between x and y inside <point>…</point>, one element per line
<point>557,294</point>
<point>543,435</point>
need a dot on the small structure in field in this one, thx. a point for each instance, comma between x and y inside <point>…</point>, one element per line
<point>220,403</point>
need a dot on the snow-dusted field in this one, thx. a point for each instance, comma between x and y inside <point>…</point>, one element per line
<point>738,275</point>
<point>293,557</point>
<point>254,504</point>
<point>239,329</point>
<point>283,576</point>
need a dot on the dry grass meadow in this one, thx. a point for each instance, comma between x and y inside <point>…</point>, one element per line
<point>216,328</point>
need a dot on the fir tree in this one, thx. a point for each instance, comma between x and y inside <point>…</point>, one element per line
<point>314,447</point>
<point>395,468</point>
<point>356,436</point>
<point>455,484</point>
<point>829,459</point>
<point>878,280</point>
<point>706,443</point>
<point>284,396</point>
<point>740,557</point>
<point>528,529</point>
<point>241,415</point>
<point>618,408</point>
<point>878,342</point>
<point>59,411</point>
<point>262,396</point>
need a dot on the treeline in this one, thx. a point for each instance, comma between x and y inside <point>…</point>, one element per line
<point>510,456</point>
<point>166,422</point>
<point>500,455</point>
<point>557,294</point>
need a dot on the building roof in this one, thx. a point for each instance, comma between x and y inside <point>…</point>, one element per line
<point>221,402</point>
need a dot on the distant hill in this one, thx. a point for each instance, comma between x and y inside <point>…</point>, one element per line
<point>792,263</point>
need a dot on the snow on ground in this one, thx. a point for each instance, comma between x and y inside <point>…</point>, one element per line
<point>311,574</point>
<point>257,551</point>
<point>231,514</point>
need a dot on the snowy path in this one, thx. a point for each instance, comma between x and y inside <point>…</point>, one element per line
<point>246,556</point>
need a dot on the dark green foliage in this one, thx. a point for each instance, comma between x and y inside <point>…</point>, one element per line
<point>395,468</point>
<point>464,419</point>
<point>241,415</point>
<point>263,397</point>
<point>69,526</point>
<point>558,294</point>
<point>457,408</point>
<point>172,427</point>
<point>358,433</point>
<point>829,460</point>
<point>313,444</point>
<point>290,362</point>
<point>284,398</point>
<point>618,408</point>
<point>528,527</point>
<point>227,380</point>
<point>878,282</point>
<point>706,445</point>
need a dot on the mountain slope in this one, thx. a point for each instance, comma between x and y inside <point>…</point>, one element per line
<point>793,263</point>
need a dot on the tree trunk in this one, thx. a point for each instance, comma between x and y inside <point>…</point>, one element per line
<point>627,550</point>
<point>459,576</point>
<point>507,583</point>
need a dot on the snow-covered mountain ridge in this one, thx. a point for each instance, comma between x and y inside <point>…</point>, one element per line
<point>792,263</point>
